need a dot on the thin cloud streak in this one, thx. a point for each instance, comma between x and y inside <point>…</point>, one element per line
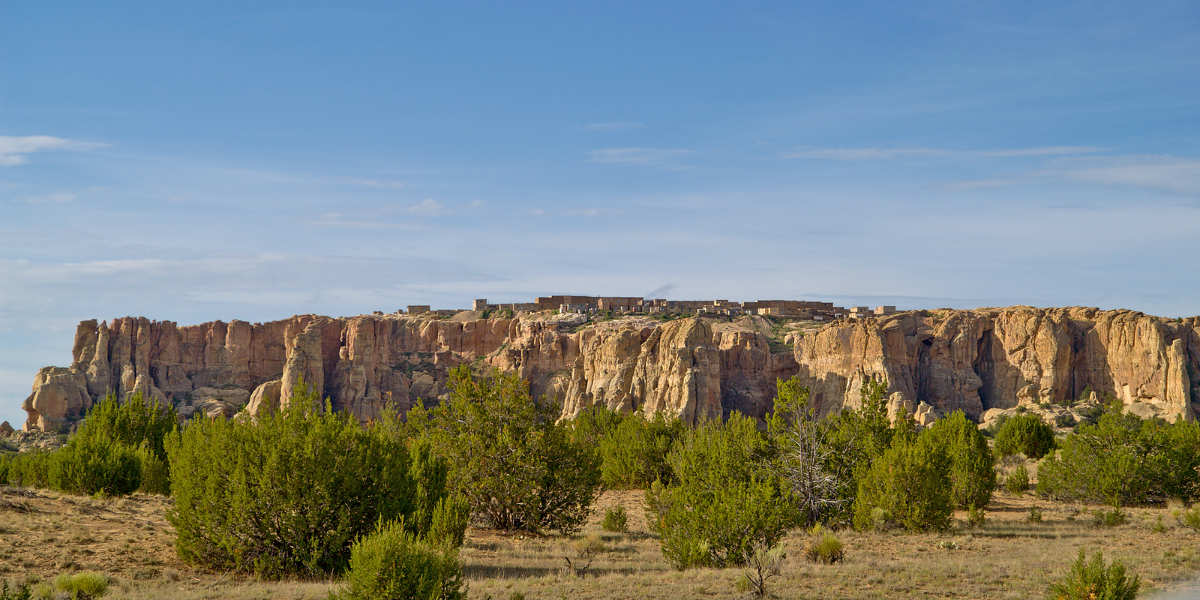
<point>14,150</point>
<point>653,157</point>
<point>873,153</point>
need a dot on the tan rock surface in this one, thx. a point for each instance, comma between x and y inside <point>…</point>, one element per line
<point>695,368</point>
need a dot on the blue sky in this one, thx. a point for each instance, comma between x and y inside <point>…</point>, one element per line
<point>218,161</point>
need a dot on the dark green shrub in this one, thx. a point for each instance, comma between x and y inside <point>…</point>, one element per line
<point>910,482</point>
<point>135,421</point>
<point>516,467</point>
<point>30,469</point>
<point>1125,460</point>
<point>1035,515</point>
<point>154,477</point>
<point>616,520</point>
<point>634,454</point>
<point>1017,480</point>
<point>593,424</point>
<point>724,499</point>
<point>289,492</point>
<point>1024,434</point>
<point>393,564</point>
<point>1093,580</point>
<point>16,591</point>
<point>972,468</point>
<point>1109,518</point>
<point>91,465</point>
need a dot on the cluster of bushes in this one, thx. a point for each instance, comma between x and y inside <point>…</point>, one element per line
<point>290,492</point>
<point>117,450</point>
<point>1123,459</point>
<point>518,469</point>
<point>734,488</point>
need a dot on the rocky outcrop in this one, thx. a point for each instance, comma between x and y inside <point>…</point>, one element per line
<point>1000,358</point>
<point>935,362</point>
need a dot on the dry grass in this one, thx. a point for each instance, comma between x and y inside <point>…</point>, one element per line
<point>43,534</point>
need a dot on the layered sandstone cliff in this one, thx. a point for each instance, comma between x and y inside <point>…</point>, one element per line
<point>696,368</point>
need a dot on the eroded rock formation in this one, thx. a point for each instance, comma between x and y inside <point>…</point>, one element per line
<point>696,368</point>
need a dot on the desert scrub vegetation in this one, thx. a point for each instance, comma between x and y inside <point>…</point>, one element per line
<point>1095,580</point>
<point>908,485</point>
<point>518,469</point>
<point>972,469</point>
<point>290,492</point>
<point>117,450</point>
<point>724,498</point>
<point>1123,460</point>
<point>616,520</point>
<point>393,563</point>
<point>632,448</point>
<point>1024,434</point>
<point>1017,480</point>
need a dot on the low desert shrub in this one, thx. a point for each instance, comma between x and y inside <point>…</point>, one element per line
<point>82,586</point>
<point>616,520</point>
<point>1017,480</point>
<point>1189,517</point>
<point>824,547</point>
<point>1035,515</point>
<point>1109,518</point>
<point>290,492</point>
<point>95,465</point>
<point>1095,580</point>
<point>1024,434</point>
<point>910,483</point>
<point>518,469</point>
<point>763,564</point>
<point>391,563</point>
<point>29,469</point>
<point>450,518</point>
<point>724,499</point>
<point>15,591</point>
<point>976,517</point>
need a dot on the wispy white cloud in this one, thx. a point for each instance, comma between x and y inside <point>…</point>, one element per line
<point>881,153</point>
<point>1162,173</point>
<point>52,198</point>
<point>337,219</point>
<point>613,126</point>
<point>652,157</point>
<point>14,150</point>
<point>428,208</point>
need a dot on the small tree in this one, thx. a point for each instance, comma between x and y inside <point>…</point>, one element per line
<point>634,454</point>
<point>908,485</point>
<point>724,500</point>
<point>853,440</point>
<point>805,459</point>
<point>516,467</point>
<point>972,468</point>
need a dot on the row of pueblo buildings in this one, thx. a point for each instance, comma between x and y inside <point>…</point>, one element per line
<point>630,305</point>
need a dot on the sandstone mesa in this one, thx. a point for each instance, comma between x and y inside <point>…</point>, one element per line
<point>983,361</point>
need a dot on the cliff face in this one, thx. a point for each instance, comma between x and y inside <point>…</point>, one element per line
<point>688,367</point>
<point>999,358</point>
<point>692,368</point>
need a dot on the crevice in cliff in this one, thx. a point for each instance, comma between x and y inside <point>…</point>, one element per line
<point>985,369</point>
<point>924,370</point>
